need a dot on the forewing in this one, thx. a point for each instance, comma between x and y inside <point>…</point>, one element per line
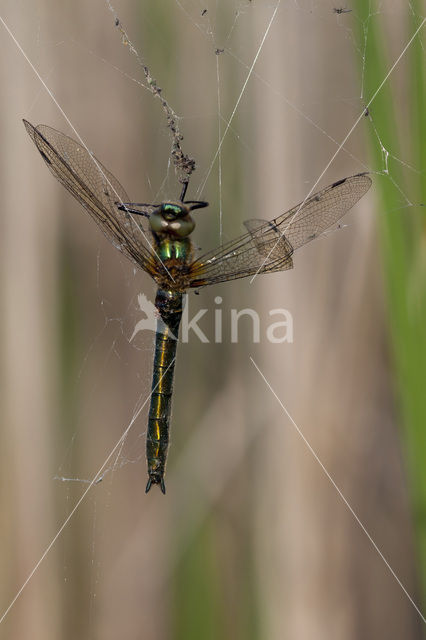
<point>97,190</point>
<point>269,245</point>
<point>311,218</point>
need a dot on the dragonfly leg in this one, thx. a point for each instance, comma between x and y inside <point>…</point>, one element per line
<point>130,207</point>
<point>195,204</point>
<point>184,188</point>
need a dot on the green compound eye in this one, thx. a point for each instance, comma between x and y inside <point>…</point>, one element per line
<point>172,208</point>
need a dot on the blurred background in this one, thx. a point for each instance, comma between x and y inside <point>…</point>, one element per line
<point>252,539</point>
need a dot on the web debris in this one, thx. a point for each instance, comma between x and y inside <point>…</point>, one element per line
<point>341,10</point>
<point>184,164</point>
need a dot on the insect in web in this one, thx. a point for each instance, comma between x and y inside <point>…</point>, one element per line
<point>156,238</point>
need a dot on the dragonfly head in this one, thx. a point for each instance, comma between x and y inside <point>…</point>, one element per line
<point>173,210</point>
<point>172,218</point>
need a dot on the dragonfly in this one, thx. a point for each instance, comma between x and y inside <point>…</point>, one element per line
<point>156,238</point>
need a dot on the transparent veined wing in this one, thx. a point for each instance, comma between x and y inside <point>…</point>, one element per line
<point>268,246</point>
<point>97,190</point>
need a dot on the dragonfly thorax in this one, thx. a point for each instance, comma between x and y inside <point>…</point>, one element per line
<point>172,218</point>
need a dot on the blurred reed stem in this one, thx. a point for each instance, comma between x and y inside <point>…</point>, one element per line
<point>402,229</point>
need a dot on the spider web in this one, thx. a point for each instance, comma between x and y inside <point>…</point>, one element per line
<point>236,45</point>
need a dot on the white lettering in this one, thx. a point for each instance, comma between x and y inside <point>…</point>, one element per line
<point>287,324</point>
<point>235,315</point>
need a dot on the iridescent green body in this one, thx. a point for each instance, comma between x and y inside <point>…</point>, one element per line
<point>169,305</point>
<point>168,225</point>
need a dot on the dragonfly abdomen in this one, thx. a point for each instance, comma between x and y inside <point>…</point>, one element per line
<point>169,306</point>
